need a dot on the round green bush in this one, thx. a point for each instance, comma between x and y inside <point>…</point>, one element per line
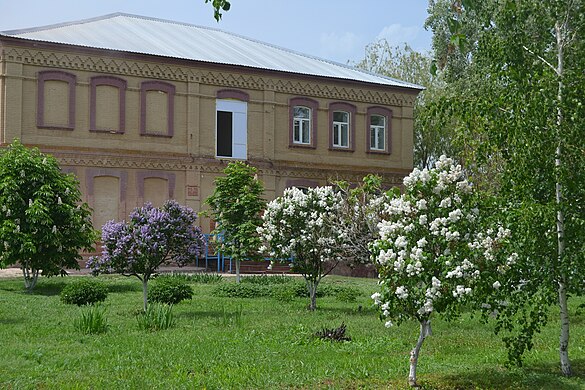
<point>169,290</point>
<point>84,291</point>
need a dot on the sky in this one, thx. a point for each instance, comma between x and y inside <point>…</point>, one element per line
<point>337,30</point>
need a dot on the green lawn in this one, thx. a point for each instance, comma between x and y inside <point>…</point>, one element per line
<point>257,343</point>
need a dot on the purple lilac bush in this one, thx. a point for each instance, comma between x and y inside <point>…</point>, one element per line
<point>152,237</point>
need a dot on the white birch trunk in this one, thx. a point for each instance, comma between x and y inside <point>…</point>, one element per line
<point>562,287</point>
<point>425,330</point>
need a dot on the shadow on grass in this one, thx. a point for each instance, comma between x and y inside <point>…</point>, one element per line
<point>48,287</point>
<point>123,287</point>
<point>539,376</point>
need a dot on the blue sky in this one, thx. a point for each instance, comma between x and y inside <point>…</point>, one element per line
<point>337,30</point>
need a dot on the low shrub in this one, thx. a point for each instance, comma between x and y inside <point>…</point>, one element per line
<point>84,291</point>
<point>158,316</point>
<point>267,280</point>
<point>346,293</point>
<point>205,278</point>
<point>241,290</point>
<point>194,278</point>
<point>92,320</point>
<point>169,290</point>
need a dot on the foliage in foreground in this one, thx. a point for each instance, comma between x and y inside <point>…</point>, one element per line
<point>84,291</point>
<point>152,237</point>
<point>92,320</point>
<point>515,92</point>
<point>169,290</point>
<point>157,316</point>
<point>43,223</point>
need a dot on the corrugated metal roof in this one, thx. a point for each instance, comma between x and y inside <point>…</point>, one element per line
<point>138,34</point>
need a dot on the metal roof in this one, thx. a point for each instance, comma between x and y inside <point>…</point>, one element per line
<point>145,35</point>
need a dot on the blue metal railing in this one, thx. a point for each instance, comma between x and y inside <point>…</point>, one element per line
<point>213,252</point>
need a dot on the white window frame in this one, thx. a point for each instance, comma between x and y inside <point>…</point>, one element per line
<point>375,131</point>
<point>239,110</point>
<point>302,123</point>
<point>338,129</point>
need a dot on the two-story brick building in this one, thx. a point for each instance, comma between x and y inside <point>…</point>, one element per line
<point>142,109</point>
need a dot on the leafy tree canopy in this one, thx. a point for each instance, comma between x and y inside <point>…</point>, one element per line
<point>43,223</point>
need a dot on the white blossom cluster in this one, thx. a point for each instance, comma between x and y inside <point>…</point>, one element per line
<point>298,224</point>
<point>432,251</point>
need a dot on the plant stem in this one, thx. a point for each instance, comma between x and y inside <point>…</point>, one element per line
<point>425,330</point>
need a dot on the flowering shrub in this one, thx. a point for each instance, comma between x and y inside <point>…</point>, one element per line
<point>297,224</point>
<point>153,236</point>
<point>433,254</point>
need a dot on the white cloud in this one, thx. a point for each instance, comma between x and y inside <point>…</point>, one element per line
<point>339,47</point>
<point>396,34</point>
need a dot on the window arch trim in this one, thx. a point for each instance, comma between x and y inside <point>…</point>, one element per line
<point>233,94</point>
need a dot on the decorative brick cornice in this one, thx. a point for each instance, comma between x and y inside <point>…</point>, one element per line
<point>329,173</point>
<point>225,77</point>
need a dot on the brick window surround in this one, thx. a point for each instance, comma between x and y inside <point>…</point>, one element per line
<point>169,90</point>
<point>111,81</point>
<point>313,105</point>
<point>55,75</point>
<point>351,110</point>
<point>386,113</point>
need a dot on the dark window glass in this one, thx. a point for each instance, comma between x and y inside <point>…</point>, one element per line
<point>224,133</point>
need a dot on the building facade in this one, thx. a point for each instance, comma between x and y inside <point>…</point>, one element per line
<point>136,126</point>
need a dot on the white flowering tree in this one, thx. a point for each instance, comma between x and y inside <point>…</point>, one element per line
<point>361,211</point>
<point>295,224</point>
<point>433,255</point>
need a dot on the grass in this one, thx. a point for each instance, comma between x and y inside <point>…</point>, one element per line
<point>259,343</point>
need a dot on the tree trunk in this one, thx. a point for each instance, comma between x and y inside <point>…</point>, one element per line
<point>425,330</point>
<point>30,277</point>
<point>237,271</point>
<point>145,293</point>
<point>560,31</point>
<point>312,288</point>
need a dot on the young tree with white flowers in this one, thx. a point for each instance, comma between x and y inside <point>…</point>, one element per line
<point>433,254</point>
<point>296,224</point>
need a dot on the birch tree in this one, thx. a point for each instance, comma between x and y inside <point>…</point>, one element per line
<point>523,100</point>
